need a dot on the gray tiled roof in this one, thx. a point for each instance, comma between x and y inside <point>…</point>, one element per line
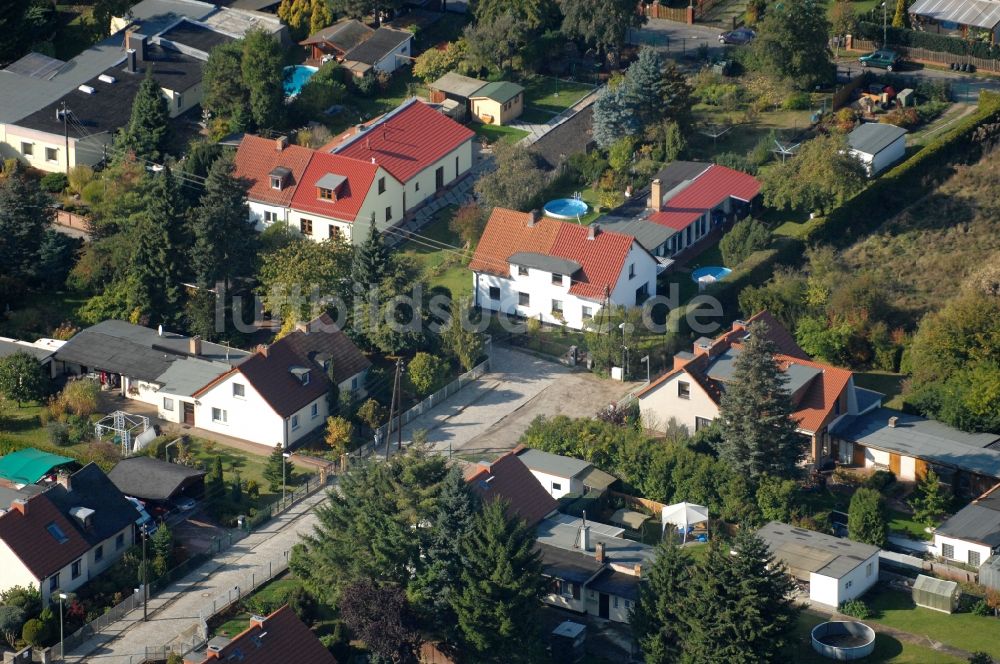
<point>152,479</point>
<point>804,551</point>
<point>553,464</point>
<point>562,532</point>
<point>922,438</point>
<point>646,233</point>
<point>873,137</point>
<point>975,523</point>
<point>458,85</point>
<point>383,42</point>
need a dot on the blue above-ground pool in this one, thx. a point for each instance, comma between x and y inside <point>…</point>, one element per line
<point>565,208</point>
<point>710,273</point>
<point>295,77</point>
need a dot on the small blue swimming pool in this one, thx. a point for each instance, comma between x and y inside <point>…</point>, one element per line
<point>295,77</point>
<point>710,274</point>
<point>565,208</point>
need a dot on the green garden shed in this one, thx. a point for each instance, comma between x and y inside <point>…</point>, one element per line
<point>936,594</point>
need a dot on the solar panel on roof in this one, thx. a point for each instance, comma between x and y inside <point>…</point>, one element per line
<point>36,65</point>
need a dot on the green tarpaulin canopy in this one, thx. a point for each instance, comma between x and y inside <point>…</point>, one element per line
<point>29,465</point>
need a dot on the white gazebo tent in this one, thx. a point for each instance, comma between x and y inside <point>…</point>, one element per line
<point>684,515</point>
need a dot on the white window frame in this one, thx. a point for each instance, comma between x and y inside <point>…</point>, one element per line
<point>314,411</point>
<point>295,422</point>
<point>220,416</point>
<point>53,160</point>
<point>242,393</point>
<point>168,404</point>
<point>28,149</point>
<point>270,216</point>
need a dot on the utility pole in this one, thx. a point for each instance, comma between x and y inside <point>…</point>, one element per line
<point>399,406</point>
<point>392,409</point>
<point>65,119</point>
<point>145,578</point>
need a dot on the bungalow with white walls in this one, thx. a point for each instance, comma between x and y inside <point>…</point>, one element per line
<point>275,395</point>
<point>972,535</point>
<point>383,51</point>
<point>562,475</point>
<point>558,272</point>
<point>836,569</point>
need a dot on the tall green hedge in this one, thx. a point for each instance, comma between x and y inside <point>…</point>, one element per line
<point>911,179</point>
<point>928,40</point>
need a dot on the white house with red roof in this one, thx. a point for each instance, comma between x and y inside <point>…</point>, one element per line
<point>691,392</point>
<point>375,173</point>
<point>558,272</point>
<point>687,200</point>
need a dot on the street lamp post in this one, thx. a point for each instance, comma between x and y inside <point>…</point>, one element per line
<point>622,327</point>
<point>885,28</point>
<point>62,642</point>
<point>284,457</point>
<point>645,359</point>
<point>145,576</point>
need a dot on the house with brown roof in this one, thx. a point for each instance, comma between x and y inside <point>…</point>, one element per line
<point>278,638</point>
<point>281,393</point>
<point>276,394</point>
<point>559,272</point>
<point>691,392</point>
<point>509,479</point>
<point>375,173</point>
<point>334,41</point>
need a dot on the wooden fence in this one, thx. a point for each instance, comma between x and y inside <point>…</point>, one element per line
<point>679,14</point>
<point>70,220</point>
<point>634,501</point>
<point>843,96</point>
<point>923,55</point>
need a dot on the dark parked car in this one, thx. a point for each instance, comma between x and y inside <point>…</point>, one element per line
<point>739,36</point>
<point>888,60</point>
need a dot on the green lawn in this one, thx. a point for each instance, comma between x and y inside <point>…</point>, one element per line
<point>553,95</point>
<point>494,133</point>
<point>40,316</point>
<point>440,266</point>
<point>887,649</point>
<point>536,115</point>
<point>249,466</point>
<point>889,384</point>
<point>961,630</point>
<point>905,525</point>
<point>269,593</point>
<point>74,33</point>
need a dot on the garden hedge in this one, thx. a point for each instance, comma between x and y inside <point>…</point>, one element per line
<point>928,40</point>
<point>912,179</point>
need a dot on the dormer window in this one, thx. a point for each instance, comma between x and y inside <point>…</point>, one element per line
<point>279,177</point>
<point>329,187</point>
<point>301,374</point>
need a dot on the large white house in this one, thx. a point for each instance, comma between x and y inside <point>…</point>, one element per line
<point>375,173</point>
<point>277,394</point>
<point>556,271</point>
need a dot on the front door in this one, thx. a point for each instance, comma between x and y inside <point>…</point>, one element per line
<point>188,413</point>
<point>603,608</point>
<point>439,179</point>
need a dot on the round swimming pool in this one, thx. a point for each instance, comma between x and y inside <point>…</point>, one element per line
<point>843,640</point>
<point>565,208</point>
<point>710,274</point>
<point>295,77</point>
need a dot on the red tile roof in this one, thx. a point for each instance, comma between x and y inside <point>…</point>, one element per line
<point>509,479</point>
<point>351,196</point>
<point>508,233</point>
<point>257,157</point>
<point>28,537</point>
<point>708,190</point>
<point>279,638</point>
<point>817,404</point>
<point>405,141</point>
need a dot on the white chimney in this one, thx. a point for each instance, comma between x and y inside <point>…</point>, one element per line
<point>583,540</point>
<point>655,195</point>
<point>892,422</point>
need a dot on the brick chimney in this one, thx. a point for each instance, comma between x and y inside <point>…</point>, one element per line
<point>65,480</point>
<point>599,554</point>
<point>532,218</point>
<point>194,345</point>
<point>258,621</point>
<point>262,349</point>
<point>280,143</point>
<point>655,195</point>
<point>593,231</point>
<point>19,505</point>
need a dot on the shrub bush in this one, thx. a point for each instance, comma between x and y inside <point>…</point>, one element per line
<point>926,40</point>
<point>879,480</point>
<point>982,608</point>
<point>58,434</point>
<point>855,608</point>
<point>54,183</point>
<point>797,101</point>
<point>33,632</point>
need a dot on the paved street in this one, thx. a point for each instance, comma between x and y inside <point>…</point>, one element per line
<point>177,609</point>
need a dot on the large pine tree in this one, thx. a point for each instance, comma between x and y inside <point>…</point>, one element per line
<point>225,244</point>
<point>157,267</point>
<point>655,620</point>
<point>497,604</point>
<point>263,79</point>
<point>25,212</point>
<point>738,608</point>
<point>371,261</point>
<point>148,129</point>
<point>758,432</point>
<point>456,510</point>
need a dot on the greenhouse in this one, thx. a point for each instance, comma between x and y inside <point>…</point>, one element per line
<point>936,594</point>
